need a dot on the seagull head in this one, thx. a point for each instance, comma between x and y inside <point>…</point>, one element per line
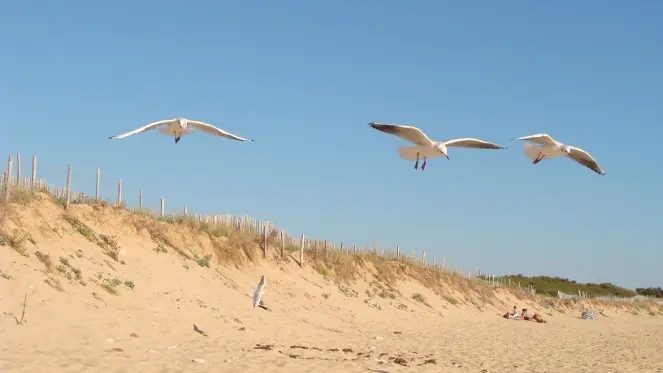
<point>182,122</point>
<point>443,150</point>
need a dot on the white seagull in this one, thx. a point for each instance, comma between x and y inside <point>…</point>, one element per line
<point>259,292</point>
<point>179,127</point>
<point>549,148</point>
<point>425,147</point>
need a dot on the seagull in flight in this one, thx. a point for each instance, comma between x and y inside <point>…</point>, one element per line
<point>425,147</point>
<point>549,148</point>
<point>178,127</point>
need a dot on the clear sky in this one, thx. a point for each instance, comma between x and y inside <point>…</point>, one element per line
<point>302,78</point>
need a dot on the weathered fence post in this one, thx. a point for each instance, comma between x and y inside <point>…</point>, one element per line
<point>96,194</point>
<point>18,169</point>
<point>354,249</point>
<point>301,252</point>
<point>8,179</point>
<point>119,192</point>
<point>186,212</point>
<point>68,197</point>
<point>163,207</point>
<point>140,200</point>
<point>282,245</point>
<point>423,257</point>
<point>33,180</point>
<point>264,239</point>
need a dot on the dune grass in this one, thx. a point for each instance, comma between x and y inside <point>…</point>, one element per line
<point>236,244</point>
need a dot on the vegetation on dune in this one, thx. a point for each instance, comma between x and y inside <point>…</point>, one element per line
<point>547,285</point>
<point>232,244</point>
<point>650,292</point>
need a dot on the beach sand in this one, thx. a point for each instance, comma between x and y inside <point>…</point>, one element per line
<point>312,323</point>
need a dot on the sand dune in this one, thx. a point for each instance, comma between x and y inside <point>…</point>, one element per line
<point>107,291</point>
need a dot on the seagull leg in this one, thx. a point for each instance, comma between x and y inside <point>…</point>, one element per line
<point>177,139</point>
<point>416,164</point>
<point>539,158</point>
<point>423,165</point>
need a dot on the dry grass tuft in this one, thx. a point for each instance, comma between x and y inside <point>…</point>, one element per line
<point>23,196</point>
<point>5,275</point>
<point>81,228</point>
<point>158,230</point>
<point>236,249</point>
<point>54,283</point>
<point>110,246</point>
<point>46,259</point>
<point>16,240</point>
<point>107,243</point>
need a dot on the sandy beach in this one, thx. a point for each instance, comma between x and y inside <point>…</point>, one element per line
<point>89,312</point>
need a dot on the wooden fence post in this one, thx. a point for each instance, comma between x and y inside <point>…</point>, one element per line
<point>163,207</point>
<point>186,213</point>
<point>398,252</point>
<point>354,249</point>
<point>8,179</point>
<point>140,200</point>
<point>68,197</point>
<point>301,252</point>
<point>119,192</point>
<point>96,195</point>
<point>423,257</point>
<point>264,239</point>
<point>18,169</point>
<point>33,180</point>
<point>282,245</point>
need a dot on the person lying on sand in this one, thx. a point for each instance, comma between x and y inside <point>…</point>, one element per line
<point>538,318</point>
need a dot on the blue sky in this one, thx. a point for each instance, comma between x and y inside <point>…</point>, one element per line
<point>303,78</point>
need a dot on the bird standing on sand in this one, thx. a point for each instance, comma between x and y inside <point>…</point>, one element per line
<point>550,148</point>
<point>179,127</point>
<point>259,292</point>
<point>426,147</point>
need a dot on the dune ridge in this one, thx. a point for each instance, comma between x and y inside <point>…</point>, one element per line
<point>109,290</point>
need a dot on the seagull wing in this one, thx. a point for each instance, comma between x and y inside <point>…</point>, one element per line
<point>409,133</point>
<point>539,138</point>
<point>210,129</point>
<point>144,128</point>
<point>471,143</point>
<point>585,159</point>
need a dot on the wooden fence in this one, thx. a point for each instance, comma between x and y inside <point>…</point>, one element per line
<point>13,178</point>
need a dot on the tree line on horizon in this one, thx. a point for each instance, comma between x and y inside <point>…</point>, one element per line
<point>549,285</point>
<point>650,292</point>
